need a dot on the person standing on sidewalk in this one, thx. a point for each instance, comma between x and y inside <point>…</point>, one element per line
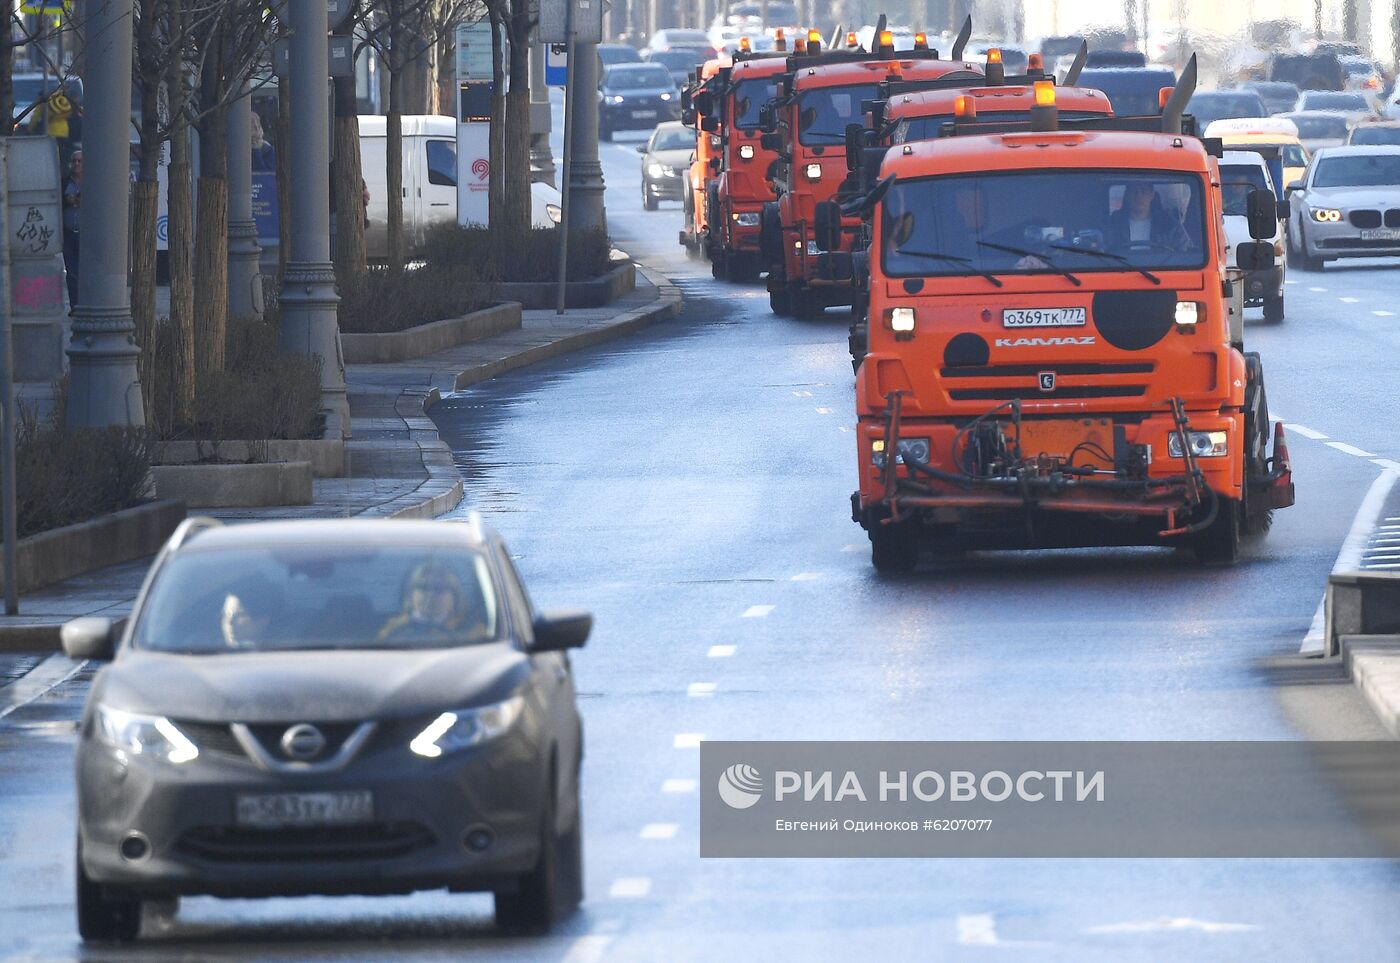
<point>72,203</point>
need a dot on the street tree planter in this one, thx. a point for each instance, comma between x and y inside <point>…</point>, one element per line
<point>235,486</point>
<point>393,346</point>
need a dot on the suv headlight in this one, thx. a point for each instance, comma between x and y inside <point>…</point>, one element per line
<point>656,170</point>
<point>614,99</point>
<point>143,735</point>
<point>452,731</point>
<point>1204,444</point>
<point>1326,215</point>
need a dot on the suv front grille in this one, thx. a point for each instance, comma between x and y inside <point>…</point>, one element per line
<point>365,841</point>
<point>1365,219</point>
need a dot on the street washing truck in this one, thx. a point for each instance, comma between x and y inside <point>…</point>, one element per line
<point>705,164</point>
<point>1050,357</point>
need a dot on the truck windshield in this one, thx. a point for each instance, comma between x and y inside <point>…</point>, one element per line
<point>749,96</point>
<point>927,128</point>
<point>1081,221</point>
<point>824,113</point>
<point>1364,170</point>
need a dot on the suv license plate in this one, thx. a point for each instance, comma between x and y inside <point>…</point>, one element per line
<point>1044,317</point>
<point>643,114</point>
<point>1380,234</point>
<point>304,809</point>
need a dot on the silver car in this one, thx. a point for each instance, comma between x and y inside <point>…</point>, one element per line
<point>1347,205</point>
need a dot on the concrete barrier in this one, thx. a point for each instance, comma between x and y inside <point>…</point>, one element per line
<point>235,486</point>
<point>326,455</point>
<point>426,339</point>
<point>1363,590</point>
<point>621,280</point>
<point>123,536</point>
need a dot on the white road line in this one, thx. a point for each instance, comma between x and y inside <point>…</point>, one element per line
<point>1384,314</point>
<point>698,690</point>
<point>659,831</point>
<point>722,651</point>
<point>758,611</point>
<point>630,887</point>
<point>1171,923</point>
<point>1305,432</point>
<point>1350,300</point>
<point>844,428</point>
<point>802,394</point>
<point>587,949</point>
<point>1318,290</point>
<point>824,411</point>
<point>852,548</point>
<point>687,740</point>
<point>679,786</point>
<point>977,929</point>
<point>1346,449</point>
<point>37,682</point>
<point>1386,463</point>
<point>806,577</point>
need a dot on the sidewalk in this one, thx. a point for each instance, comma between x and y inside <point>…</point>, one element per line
<point>399,468</point>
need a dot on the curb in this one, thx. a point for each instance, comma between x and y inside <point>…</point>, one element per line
<point>1373,661</point>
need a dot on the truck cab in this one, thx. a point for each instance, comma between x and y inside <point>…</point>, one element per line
<point>704,166</point>
<point>1050,360</point>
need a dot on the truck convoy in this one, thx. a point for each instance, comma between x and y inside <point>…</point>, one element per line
<point>1050,353</point>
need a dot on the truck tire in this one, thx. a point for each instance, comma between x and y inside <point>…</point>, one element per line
<point>1257,427</point>
<point>894,549</point>
<point>1219,542</point>
<point>1273,308</point>
<point>770,235</point>
<point>780,298</point>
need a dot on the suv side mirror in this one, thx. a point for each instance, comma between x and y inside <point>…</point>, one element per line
<point>88,638</point>
<point>688,117</point>
<point>557,631</point>
<point>1263,214</point>
<point>1254,256</point>
<point>642,147</point>
<point>827,226</point>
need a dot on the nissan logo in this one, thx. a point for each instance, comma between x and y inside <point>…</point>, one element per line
<point>303,741</point>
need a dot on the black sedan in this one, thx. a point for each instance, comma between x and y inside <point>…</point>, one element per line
<point>329,707</point>
<point>636,97</point>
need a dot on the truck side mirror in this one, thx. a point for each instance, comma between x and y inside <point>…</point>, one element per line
<point>1254,256</point>
<point>771,141</point>
<point>1283,210</point>
<point>767,118</point>
<point>710,124</point>
<point>90,637</point>
<point>1262,209</point>
<point>855,140</point>
<point>704,102</point>
<point>827,226</point>
<point>688,117</point>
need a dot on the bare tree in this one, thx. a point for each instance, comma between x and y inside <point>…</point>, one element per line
<point>347,177</point>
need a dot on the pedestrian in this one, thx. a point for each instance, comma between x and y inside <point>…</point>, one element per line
<point>264,155</point>
<point>72,204</point>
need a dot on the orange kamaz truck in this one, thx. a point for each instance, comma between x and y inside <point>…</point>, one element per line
<point>818,97</point>
<point>1050,358</point>
<point>704,166</point>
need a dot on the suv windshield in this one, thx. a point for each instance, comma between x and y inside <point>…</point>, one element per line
<point>638,78</point>
<point>312,597</point>
<point>825,112</point>
<point>749,97</point>
<point>1236,181</point>
<point>1095,220</point>
<point>1373,170</point>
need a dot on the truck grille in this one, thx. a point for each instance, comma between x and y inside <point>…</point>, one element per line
<point>1031,370</point>
<point>1022,381</point>
<point>1033,393</point>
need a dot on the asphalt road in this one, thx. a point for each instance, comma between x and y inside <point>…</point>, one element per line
<point>690,485</point>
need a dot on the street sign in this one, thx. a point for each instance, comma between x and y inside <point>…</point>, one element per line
<point>43,8</point>
<point>341,56</point>
<point>473,51</point>
<point>588,21</point>
<point>556,65</point>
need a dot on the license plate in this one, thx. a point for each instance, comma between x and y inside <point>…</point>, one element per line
<point>304,809</point>
<point>643,114</point>
<point>1044,317</point>
<point>1381,234</point>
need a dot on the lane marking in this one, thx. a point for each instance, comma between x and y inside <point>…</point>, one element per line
<point>1346,449</point>
<point>852,548</point>
<point>1318,290</point>
<point>37,682</point>
<point>1350,300</point>
<point>722,651</point>
<point>698,690</point>
<point>679,786</point>
<point>1171,923</point>
<point>1305,432</point>
<point>687,740</point>
<point>659,831</point>
<point>587,949</point>
<point>630,887</point>
<point>824,411</point>
<point>806,577</point>
<point>1384,314</point>
<point>844,428</point>
<point>802,394</point>
<point>758,611</point>
<point>1386,463</point>
<point>977,929</point>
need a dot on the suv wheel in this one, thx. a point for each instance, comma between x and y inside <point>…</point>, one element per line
<point>102,914</point>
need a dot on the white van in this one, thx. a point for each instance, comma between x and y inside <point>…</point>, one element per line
<point>1242,171</point>
<point>429,180</point>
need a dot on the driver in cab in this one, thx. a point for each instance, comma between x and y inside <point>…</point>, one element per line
<point>1143,221</point>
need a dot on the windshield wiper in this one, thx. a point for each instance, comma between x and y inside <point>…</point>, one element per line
<point>1039,257</point>
<point>956,259</point>
<point>1111,256</point>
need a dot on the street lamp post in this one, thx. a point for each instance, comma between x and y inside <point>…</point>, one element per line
<point>308,324</point>
<point>244,275</point>
<point>104,387</point>
<point>586,211</point>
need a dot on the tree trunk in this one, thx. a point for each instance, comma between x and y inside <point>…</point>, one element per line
<point>7,84</point>
<point>145,208</point>
<point>348,203</point>
<point>211,239</point>
<point>496,192</point>
<point>516,210</point>
<point>180,246</point>
<point>284,180</point>
<point>393,165</point>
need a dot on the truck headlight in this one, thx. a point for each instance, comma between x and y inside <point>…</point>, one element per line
<point>1204,444</point>
<point>902,320</point>
<point>1187,312</point>
<point>908,449</point>
<point>142,735</point>
<point>814,172</point>
<point>746,151</point>
<point>746,219</point>
<point>467,727</point>
<point>1326,215</point>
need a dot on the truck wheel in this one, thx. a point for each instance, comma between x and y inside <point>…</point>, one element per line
<point>805,305</point>
<point>780,300</point>
<point>894,549</point>
<point>1273,308</point>
<point>102,914</point>
<point>1257,427</point>
<point>1219,543</point>
<point>719,265</point>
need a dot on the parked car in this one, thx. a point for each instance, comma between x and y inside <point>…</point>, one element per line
<point>666,159</point>
<point>325,707</point>
<point>1354,104</point>
<point>1381,132</point>
<point>680,62</point>
<point>1208,106</point>
<point>429,181</point>
<point>1348,205</point>
<point>1240,173</point>
<point>636,97</point>
<point>1316,71</point>
<point>1319,128</point>
<point>1278,95</point>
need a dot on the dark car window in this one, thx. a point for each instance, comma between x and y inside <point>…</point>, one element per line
<point>1213,106</point>
<point>1363,170</point>
<point>611,53</point>
<point>312,597</point>
<point>676,60</point>
<point>1236,181</point>
<point>927,128</point>
<point>1320,128</point>
<point>672,138</point>
<point>1324,100</point>
<point>824,113</point>
<point>643,77</point>
<point>442,162</point>
<point>517,598</point>
<point>1133,93</point>
<point>1375,135</point>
